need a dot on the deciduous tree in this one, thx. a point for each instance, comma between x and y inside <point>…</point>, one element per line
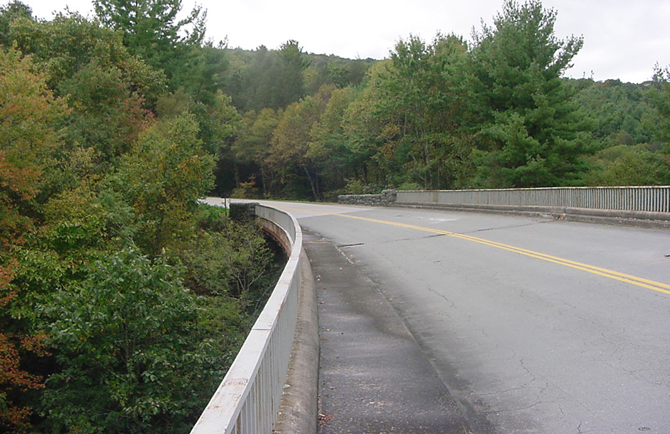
<point>28,141</point>
<point>131,355</point>
<point>162,178</point>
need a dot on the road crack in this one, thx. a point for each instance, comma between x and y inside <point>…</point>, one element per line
<point>500,228</point>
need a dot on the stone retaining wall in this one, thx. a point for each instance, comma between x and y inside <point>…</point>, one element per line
<point>386,198</point>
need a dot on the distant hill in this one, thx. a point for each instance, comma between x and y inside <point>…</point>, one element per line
<point>258,78</point>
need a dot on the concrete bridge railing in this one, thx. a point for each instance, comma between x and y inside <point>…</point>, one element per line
<point>641,206</point>
<point>249,397</point>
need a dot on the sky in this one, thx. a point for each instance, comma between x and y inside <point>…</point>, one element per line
<point>623,39</point>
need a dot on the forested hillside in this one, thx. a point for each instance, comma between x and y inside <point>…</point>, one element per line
<point>494,111</point>
<point>124,300</point>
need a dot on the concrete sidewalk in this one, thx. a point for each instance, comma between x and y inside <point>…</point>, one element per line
<point>373,376</point>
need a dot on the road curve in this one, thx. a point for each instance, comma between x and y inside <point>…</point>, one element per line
<point>534,325</point>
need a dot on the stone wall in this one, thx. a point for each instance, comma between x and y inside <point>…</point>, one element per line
<point>386,198</point>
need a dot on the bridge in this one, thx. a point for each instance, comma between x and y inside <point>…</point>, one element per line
<point>531,319</point>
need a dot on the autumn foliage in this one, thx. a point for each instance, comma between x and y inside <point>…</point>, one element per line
<point>28,139</point>
<point>122,298</point>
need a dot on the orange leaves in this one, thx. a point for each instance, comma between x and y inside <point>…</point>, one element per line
<point>20,180</point>
<point>27,138</point>
<point>12,377</point>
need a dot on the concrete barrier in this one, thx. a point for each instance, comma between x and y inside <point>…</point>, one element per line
<point>284,336</point>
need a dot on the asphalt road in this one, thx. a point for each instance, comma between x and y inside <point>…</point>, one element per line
<point>533,325</point>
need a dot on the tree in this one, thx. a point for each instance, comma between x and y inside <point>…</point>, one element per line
<point>329,142</point>
<point>131,356</point>
<point>289,154</point>
<point>70,42</point>
<point>109,91</point>
<point>274,79</point>
<point>290,85</point>
<point>532,133</point>
<point>370,142</point>
<point>29,140</point>
<point>13,10</point>
<point>151,29</point>
<point>202,73</point>
<point>619,110</point>
<point>659,99</point>
<point>423,102</point>
<point>14,378</point>
<point>108,114</point>
<point>629,165</point>
<point>252,144</point>
<point>162,178</point>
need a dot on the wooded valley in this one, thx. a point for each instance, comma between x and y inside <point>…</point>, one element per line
<point>124,299</point>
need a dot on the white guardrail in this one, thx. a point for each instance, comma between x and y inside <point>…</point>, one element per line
<point>652,199</point>
<point>247,400</point>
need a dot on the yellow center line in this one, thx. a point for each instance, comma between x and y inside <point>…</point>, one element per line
<point>615,275</point>
<point>622,277</point>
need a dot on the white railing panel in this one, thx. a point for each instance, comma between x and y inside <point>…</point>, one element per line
<point>653,199</point>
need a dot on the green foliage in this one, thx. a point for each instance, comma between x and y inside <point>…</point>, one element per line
<point>268,78</point>
<point>124,341</point>
<point>355,186</point>
<point>106,87</point>
<point>108,115</point>
<point>203,73</point>
<point>100,228</point>
<point>290,154</point>
<point>659,98</point>
<point>229,259</point>
<point>69,42</point>
<point>329,143</point>
<point>619,110</point>
<point>252,144</point>
<point>111,129</point>
<point>290,83</point>
<point>151,29</point>
<point>531,126</point>
<point>29,139</point>
<point>12,11</point>
<point>630,165</point>
<point>162,177</point>
<point>422,105</point>
<point>364,130</point>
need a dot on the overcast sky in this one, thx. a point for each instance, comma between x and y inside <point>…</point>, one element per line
<point>623,39</point>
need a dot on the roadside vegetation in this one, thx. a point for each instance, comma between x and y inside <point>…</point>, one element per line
<point>124,299</point>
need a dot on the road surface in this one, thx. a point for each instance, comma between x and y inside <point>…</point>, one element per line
<point>533,325</point>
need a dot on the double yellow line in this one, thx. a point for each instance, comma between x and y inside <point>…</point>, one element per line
<point>626,278</point>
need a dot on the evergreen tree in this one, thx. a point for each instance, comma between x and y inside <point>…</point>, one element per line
<point>151,31</point>
<point>531,133</point>
<point>290,83</point>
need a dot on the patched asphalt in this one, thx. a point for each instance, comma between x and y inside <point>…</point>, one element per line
<point>373,376</point>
